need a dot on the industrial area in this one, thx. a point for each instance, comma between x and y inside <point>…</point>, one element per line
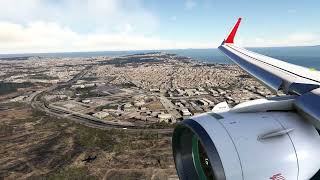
<point>106,111</point>
<point>131,91</point>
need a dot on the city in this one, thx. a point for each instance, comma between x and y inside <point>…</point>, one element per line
<point>142,95</point>
<point>133,91</point>
<point>159,90</point>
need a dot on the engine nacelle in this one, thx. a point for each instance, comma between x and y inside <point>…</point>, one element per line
<point>248,146</point>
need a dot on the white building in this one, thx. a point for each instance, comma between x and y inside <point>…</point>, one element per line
<point>101,114</point>
<point>186,112</point>
<point>164,117</point>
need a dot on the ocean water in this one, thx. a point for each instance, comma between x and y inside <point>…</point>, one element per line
<point>303,56</point>
<point>308,56</point>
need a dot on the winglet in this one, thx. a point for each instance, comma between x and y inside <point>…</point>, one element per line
<point>233,32</point>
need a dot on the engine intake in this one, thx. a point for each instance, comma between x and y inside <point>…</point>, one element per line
<point>191,143</point>
<point>246,146</point>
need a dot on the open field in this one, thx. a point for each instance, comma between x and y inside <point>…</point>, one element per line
<point>37,146</point>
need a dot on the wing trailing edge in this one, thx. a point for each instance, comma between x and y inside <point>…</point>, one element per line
<point>279,75</point>
<point>273,73</point>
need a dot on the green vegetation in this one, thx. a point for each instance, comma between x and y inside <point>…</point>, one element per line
<point>87,92</point>
<point>93,138</point>
<point>42,76</point>
<point>129,143</point>
<point>128,85</point>
<point>15,105</point>
<point>57,146</point>
<point>37,113</point>
<point>5,129</point>
<point>7,75</point>
<point>161,125</point>
<point>69,93</point>
<point>6,88</point>
<point>244,76</point>
<point>127,176</point>
<point>107,106</point>
<point>119,62</point>
<point>72,174</point>
<point>90,78</point>
<point>113,140</point>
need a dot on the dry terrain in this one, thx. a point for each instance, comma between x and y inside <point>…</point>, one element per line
<point>35,146</point>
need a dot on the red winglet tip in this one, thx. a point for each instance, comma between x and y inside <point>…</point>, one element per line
<point>230,38</point>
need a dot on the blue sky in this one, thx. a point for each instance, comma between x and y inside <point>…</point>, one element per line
<point>95,25</point>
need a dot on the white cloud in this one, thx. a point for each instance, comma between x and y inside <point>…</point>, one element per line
<point>34,37</point>
<point>92,25</point>
<point>91,15</point>
<point>189,4</point>
<point>293,39</point>
<point>61,25</point>
<point>81,25</point>
<point>53,37</point>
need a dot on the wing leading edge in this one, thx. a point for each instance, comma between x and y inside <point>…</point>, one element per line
<point>279,75</point>
<point>273,73</point>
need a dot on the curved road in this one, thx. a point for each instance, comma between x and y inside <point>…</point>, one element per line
<point>38,103</point>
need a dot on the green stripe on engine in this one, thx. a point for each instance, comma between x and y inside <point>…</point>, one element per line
<point>196,158</point>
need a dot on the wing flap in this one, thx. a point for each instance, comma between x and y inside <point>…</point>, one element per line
<point>308,105</point>
<point>273,73</point>
<point>279,75</point>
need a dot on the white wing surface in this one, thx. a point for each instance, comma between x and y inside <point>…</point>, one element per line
<point>279,75</point>
<point>274,73</point>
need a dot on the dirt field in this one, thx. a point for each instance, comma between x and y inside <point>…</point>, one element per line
<point>35,146</point>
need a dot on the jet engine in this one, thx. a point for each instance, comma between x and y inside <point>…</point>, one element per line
<point>249,142</point>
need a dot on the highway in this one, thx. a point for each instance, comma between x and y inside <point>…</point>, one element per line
<point>38,103</point>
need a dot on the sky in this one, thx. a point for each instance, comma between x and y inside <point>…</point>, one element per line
<point>35,26</point>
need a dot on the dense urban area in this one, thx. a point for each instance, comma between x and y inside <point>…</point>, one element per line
<point>106,117</point>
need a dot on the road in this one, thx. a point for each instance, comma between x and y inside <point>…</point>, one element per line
<point>38,103</point>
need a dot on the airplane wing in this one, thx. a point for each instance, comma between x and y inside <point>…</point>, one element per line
<point>279,75</point>
<point>273,73</point>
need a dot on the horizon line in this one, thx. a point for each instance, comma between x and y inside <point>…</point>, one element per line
<point>155,50</point>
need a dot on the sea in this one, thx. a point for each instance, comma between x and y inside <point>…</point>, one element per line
<point>308,56</point>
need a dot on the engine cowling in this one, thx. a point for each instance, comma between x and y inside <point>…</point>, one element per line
<point>248,146</point>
